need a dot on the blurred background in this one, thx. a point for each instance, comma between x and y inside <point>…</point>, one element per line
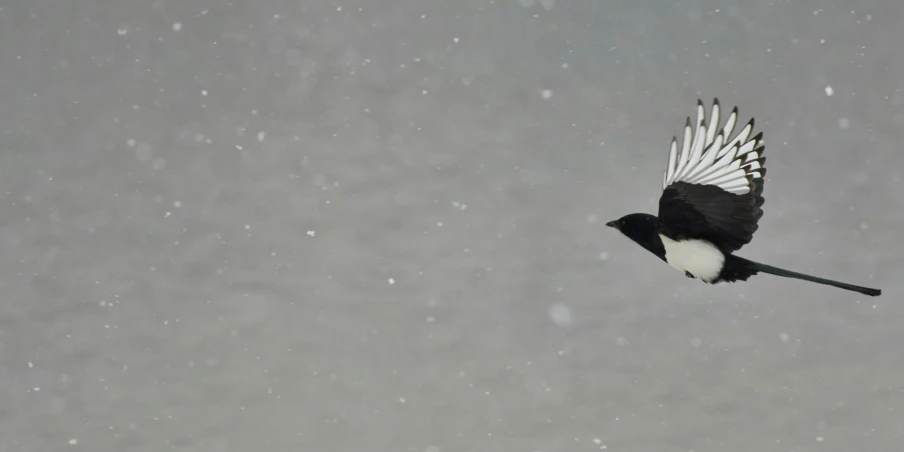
<point>334,225</point>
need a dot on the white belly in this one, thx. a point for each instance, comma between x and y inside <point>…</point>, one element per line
<point>697,257</point>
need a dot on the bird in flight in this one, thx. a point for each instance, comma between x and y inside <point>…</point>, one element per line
<point>711,203</point>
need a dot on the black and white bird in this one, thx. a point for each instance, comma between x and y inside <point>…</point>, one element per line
<point>711,203</point>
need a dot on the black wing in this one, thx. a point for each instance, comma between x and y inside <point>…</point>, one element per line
<point>728,220</point>
<point>712,187</point>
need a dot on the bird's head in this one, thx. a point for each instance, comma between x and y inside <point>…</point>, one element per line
<point>639,227</point>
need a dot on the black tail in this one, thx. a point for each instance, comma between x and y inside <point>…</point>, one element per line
<point>758,267</point>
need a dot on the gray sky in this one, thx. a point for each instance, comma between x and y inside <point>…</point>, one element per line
<point>335,225</point>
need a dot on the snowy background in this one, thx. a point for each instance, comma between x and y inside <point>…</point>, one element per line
<point>331,225</point>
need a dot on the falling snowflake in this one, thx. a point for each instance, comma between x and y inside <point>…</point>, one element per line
<point>560,314</point>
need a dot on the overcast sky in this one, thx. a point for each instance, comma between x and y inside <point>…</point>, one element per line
<point>331,225</point>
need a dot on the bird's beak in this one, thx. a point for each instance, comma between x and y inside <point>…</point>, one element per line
<point>612,224</point>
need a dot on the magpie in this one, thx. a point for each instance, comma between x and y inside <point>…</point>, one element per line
<point>711,202</point>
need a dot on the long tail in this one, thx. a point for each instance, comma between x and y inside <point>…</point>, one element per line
<point>758,267</point>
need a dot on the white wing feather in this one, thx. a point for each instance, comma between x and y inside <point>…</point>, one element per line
<point>710,157</point>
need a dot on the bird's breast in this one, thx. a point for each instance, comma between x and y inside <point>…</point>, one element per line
<point>697,257</point>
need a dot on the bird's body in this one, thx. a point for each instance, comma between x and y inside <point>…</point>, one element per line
<point>711,204</point>
<point>699,258</point>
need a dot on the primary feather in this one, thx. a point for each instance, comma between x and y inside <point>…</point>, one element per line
<point>707,156</point>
